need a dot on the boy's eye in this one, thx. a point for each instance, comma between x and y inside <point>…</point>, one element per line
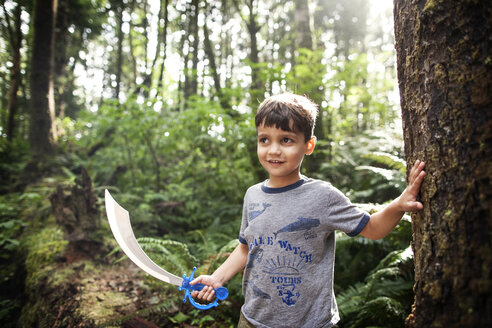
<point>286,140</point>
<point>262,140</point>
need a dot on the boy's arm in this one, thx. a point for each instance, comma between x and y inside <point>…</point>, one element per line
<point>382,222</point>
<point>234,263</point>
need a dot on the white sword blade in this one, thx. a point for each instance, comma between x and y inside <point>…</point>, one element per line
<point>119,221</point>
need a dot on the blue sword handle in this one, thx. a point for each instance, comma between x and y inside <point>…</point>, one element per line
<point>221,293</point>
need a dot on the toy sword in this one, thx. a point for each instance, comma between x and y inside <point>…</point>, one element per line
<point>119,221</point>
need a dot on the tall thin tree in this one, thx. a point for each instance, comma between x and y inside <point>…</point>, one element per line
<point>15,40</point>
<point>42,108</point>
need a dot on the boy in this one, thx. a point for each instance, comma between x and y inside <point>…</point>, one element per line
<point>287,239</point>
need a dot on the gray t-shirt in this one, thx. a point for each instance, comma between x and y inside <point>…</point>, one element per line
<point>288,279</point>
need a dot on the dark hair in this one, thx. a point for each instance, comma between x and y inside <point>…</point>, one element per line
<point>288,112</point>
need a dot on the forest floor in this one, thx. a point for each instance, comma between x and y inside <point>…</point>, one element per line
<point>112,293</point>
<point>76,290</point>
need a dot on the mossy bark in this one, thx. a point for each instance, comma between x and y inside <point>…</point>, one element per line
<point>444,56</point>
<point>75,210</point>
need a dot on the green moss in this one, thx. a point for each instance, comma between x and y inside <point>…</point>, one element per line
<point>434,290</point>
<point>440,75</point>
<point>59,276</point>
<point>100,306</point>
<point>42,250</point>
<point>430,5</point>
<point>29,315</point>
<point>432,188</point>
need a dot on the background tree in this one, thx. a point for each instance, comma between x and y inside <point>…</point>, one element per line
<point>42,131</point>
<point>77,24</point>
<point>445,75</point>
<point>13,23</point>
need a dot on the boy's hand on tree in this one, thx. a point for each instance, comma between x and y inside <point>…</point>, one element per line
<point>408,199</point>
<point>207,293</point>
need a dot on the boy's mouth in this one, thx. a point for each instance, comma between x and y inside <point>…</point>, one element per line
<point>275,162</point>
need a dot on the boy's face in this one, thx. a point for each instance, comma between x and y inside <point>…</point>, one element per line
<point>281,153</point>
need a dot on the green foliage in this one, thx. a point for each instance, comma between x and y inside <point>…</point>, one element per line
<point>307,75</point>
<point>177,171</point>
<point>359,97</point>
<point>171,255</point>
<point>10,268</point>
<point>8,243</point>
<point>13,156</point>
<point>368,167</point>
<point>357,256</point>
<point>385,297</point>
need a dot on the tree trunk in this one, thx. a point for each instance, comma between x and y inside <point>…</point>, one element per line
<point>257,86</point>
<point>164,43</point>
<point>147,82</point>
<point>303,26</point>
<point>15,38</point>
<point>191,81</point>
<point>119,61</point>
<point>42,132</point>
<point>133,58</point>
<point>445,77</point>
<point>304,83</point>
<point>61,58</point>
<point>209,50</point>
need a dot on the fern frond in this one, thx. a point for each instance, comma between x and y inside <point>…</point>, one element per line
<point>222,254</point>
<point>384,273</point>
<point>169,254</point>
<point>396,258</point>
<point>229,247</point>
<point>351,299</point>
<point>387,160</point>
<point>381,312</point>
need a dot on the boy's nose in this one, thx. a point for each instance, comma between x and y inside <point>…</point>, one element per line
<point>274,149</point>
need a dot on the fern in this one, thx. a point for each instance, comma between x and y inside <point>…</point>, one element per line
<point>387,174</point>
<point>351,299</point>
<point>220,257</point>
<point>368,167</point>
<point>387,160</point>
<point>381,312</point>
<point>171,255</point>
<point>385,296</point>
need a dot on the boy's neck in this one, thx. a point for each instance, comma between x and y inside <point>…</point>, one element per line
<point>277,182</point>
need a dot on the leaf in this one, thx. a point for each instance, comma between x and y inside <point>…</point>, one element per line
<point>179,318</point>
<point>385,173</point>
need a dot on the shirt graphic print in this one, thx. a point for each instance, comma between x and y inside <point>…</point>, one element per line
<point>285,269</point>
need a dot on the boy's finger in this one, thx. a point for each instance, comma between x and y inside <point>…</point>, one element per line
<point>414,186</point>
<point>196,280</point>
<point>210,295</point>
<point>416,170</point>
<point>206,293</point>
<point>412,172</point>
<point>199,295</point>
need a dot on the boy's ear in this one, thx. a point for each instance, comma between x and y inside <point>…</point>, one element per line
<point>310,145</point>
